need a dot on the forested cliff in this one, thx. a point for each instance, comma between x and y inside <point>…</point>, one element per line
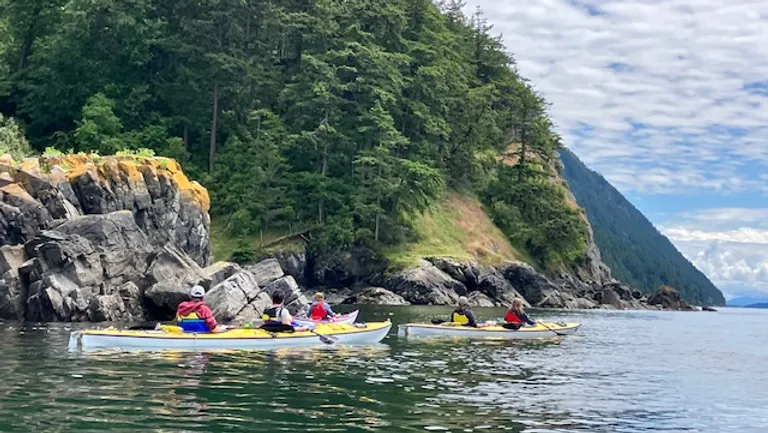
<point>347,118</point>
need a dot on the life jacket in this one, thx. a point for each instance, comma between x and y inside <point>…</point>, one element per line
<point>192,323</point>
<point>317,312</point>
<point>459,318</point>
<point>271,316</point>
<point>512,318</point>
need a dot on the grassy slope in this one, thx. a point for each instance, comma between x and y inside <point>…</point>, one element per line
<point>456,227</point>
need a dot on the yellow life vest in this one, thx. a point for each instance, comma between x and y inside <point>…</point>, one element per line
<point>459,318</point>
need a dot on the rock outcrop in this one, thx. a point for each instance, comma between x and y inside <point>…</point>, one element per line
<point>376,296</point>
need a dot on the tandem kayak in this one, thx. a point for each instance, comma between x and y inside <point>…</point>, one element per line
<point>496,331</point>
<point>348,318</point>
<point>170,338</point>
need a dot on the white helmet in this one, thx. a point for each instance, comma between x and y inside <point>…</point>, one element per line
<point>197,292</point>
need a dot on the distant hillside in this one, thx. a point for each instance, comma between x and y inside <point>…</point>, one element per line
<point>746,301</point>
<point>760,305</point>
<point>636,252</point>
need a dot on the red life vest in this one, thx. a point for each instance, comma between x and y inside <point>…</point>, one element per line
<point>318,311</point>
<point>512,318</point>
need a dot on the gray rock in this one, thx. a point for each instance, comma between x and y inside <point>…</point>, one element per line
<point>537,289</point>
<point>12,257</point>
<point>220,271</point>
<point>347,268</point>
<point>669,299</point>
<point>479,299</point>
<point>376,296</point>
<point>226,301</point>
<point>293,263</point>
<point>493,284</point>
<point>167,296</point>
<point>294,299</point>
<point>610,297</point>
<point>107,308</point>
<point>12,296</point>
<point>426,285</point>
<point>228,298</point>
<point>266,271</point>
<point>465,273</point>
<point>132,301</point>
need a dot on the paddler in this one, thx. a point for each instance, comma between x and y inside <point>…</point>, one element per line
<point>195,316</point>
<point>320,310</point>
<point>463,316</point>
<point>277,316</point>
<point>516,314</point>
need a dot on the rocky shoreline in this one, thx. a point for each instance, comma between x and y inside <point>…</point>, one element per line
<point>89,238</point>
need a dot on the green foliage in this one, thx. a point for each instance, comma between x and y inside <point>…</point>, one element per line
<point>12,140</point>
<point>142,151</point>
<point>636,252</point>
<point>347,118</point>
<point>536,217</point>
<point>52,151</point>
<point>243,252</point>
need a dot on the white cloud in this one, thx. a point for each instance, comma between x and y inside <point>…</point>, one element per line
<point>729,245</point>
<point>679,68</point>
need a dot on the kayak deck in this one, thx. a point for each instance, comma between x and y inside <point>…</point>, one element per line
<point>546,330</point>
<point>231,339</point>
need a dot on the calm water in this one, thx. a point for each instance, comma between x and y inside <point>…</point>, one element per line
<point>624,372</point>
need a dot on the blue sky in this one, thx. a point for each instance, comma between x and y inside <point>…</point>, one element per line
<point>669,101</point>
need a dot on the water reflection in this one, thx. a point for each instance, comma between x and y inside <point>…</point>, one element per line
<point>626,372</point>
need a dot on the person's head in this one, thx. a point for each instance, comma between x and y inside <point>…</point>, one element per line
<point>319,297</point>
<point>517,305</point>
<point>277,298</point>
<point>197,293</point>
<point>463,302</point>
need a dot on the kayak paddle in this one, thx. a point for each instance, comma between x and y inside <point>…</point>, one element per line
<point>556,333</point>
<point>324,338</point>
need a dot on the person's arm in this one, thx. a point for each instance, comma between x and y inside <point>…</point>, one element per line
<point>527,319</point>
<point>328,309</point>
<point>471,317</point>
<point>210,320</point>
<point>285,316</point>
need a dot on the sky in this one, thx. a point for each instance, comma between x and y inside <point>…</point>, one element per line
<point>666,100</point>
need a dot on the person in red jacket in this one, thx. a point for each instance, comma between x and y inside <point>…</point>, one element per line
<point>320,310</point>
<point>516,314</point>
<point>194,315</point>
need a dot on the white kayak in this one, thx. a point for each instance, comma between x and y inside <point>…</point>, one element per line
<point>545,330</point>
<point>348,318</point>
<point>171,337</point>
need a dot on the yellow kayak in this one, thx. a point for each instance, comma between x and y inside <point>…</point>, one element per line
<point>172,337</point>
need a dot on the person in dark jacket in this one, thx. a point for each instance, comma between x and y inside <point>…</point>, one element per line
<point>194,315</point>
<point>463,316</point>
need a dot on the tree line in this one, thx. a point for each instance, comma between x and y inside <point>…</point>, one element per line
<point>347,117</point>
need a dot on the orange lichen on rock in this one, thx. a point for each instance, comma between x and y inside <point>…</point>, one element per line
<point>192,190</point>
<point>7,159</point>
<point>30,165</point>
<point>131,171</point>
<point>17,190</point>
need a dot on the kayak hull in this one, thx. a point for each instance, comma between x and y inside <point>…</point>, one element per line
<point>492,332</point>
<point>343,334</point>
<point>348,319</point>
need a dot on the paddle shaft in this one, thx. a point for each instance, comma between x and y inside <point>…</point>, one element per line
<point>324,338</point>
<point>552,330</point>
